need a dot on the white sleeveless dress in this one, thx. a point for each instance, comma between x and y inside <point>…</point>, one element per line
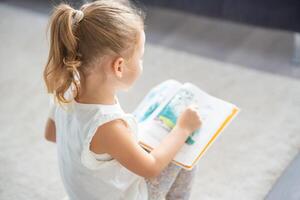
<point>86,175</point>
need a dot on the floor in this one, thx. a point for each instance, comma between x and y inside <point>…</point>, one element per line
<point>251,47</point>
<point>288,185</point>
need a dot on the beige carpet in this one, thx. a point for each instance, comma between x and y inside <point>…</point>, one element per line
<point>243,163</point>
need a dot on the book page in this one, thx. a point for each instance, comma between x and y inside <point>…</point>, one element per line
<point>156,99</point>
<point>163,120</point>
<point>213,113</point>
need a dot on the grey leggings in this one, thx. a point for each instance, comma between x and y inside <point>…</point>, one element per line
<point>173,183</point>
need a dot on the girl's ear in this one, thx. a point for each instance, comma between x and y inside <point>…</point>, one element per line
<point>118,66</point>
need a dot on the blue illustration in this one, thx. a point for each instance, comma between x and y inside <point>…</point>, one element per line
<point>148,112</point>
<point>168,115</point>
<point>152,101</point>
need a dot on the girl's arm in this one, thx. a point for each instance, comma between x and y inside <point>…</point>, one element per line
<point>116,139</point>
<point>50,133</point>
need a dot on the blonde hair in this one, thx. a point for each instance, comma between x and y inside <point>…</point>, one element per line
<point>80,37</point>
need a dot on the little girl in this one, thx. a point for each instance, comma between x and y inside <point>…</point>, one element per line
<point>95,52</point>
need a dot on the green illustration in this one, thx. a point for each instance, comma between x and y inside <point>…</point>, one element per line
<point>168,115</point>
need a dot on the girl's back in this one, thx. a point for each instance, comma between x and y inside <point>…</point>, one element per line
<point>85,174</point>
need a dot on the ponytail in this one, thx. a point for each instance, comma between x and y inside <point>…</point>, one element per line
<point>61,70</point>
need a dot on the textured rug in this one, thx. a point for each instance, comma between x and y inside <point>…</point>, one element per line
<point>243,163</point>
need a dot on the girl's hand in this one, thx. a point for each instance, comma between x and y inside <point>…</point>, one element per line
<point>189,120</point>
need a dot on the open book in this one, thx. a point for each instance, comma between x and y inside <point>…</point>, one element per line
<point>158,112</point>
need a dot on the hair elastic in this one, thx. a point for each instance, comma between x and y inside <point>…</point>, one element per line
<point>78,15</point>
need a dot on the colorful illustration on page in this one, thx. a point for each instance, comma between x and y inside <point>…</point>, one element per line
<point>168,116</point>
<point>151,102</point>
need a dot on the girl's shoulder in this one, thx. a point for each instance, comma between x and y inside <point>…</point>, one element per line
<point>103,129</point>
<point>100,135</point>
<point>113,120</point>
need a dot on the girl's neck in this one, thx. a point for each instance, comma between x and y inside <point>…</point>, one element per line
<point>93,93</point>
